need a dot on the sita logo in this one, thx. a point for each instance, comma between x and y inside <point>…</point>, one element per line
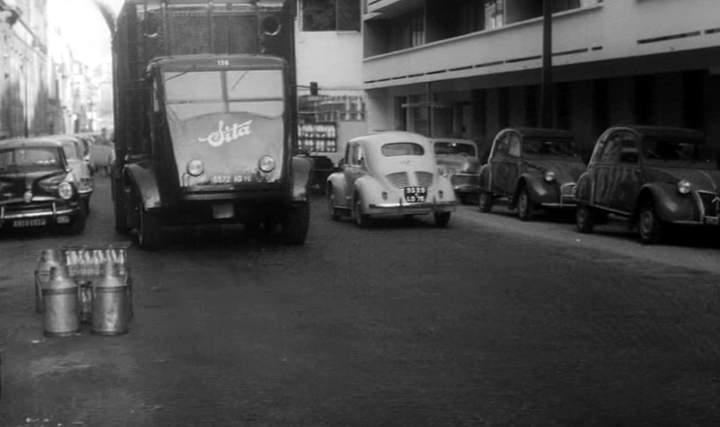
<point>227,133</point>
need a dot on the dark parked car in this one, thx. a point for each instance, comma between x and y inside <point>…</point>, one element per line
<point>37,186</point>
<point>652,175</point>
<point>458,159</point>
<point>533,168</point>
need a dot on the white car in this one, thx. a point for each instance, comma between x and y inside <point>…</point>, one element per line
<point>390,174</point>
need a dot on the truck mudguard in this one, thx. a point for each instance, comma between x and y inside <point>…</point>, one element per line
<point>301,170</point>
<point>144,180</point>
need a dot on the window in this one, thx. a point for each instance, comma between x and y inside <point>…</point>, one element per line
<point>331,15</point>
<point>611,150</point>
<point>417,30</point>
<point>501,147</point>
<point>514,145</point>
<point>402,149</point>
<point>494,13</point>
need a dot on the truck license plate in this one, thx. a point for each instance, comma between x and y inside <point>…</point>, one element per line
<point>223,211</point>
<point>415,194</point>
<point>34,222</point>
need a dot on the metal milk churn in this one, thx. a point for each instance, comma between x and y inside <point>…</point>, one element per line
<point>110,308</point>
<point>49,258</point>
<point>60,297</point>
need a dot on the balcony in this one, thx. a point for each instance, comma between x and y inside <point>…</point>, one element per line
<point>597,32</point>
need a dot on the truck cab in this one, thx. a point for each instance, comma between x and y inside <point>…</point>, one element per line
<point>211,135</point>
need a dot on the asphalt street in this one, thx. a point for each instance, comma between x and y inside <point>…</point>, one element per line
<point>489,322</point>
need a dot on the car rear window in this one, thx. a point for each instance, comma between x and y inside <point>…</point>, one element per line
<point>444,147</point>
<point>669,149</point>
<point>402,149</point>
<point>29,157</point>
<point>549,147</point>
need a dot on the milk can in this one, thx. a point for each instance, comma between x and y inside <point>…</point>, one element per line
<point>60,297</point>
<point>49,258</point>
<point>110,310</point>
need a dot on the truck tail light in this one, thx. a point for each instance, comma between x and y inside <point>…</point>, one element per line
<point>266,164</point>
<point>195,168</point>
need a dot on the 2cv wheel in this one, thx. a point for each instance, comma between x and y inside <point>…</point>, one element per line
<point>584,219</point>
<point>650,226</point>
<point>485,201</point>
<point>525,206</point>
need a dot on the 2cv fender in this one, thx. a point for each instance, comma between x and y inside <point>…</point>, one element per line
<point>668,204</point>
<point>539,190</point>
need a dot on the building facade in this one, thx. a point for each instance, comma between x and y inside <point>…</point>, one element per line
<point>25,105</point>
<point>329,53</point>
<point>468,68</point>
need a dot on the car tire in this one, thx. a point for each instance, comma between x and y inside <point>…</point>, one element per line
<point>332,210</point>
<point>295,224</point>
<point>361,220</point>
<point>649,225</point>
<point>149,231</point>
<point>525,206</point>
<point>86,205</point>
<point>441,219</point>
<point>485,201</point>
<point>121,223</point>
<point>77,224</point>
<point>584,218</point>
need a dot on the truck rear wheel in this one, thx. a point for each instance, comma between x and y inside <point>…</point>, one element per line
<point>295,224</point>
<point>149,231</point>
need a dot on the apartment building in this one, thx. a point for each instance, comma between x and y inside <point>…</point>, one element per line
<point>24,68</point>
<point>471,67</point>
<point>329,53</point>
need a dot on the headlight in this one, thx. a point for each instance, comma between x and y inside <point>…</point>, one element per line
<point>266,164</point>
<point>684,186</point>
<point>195,168</point>
<point>549,176</point>
<point>65,190</point>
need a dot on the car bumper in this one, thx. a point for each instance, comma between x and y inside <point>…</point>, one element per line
<point>50,212</point>
<point>390,209</point>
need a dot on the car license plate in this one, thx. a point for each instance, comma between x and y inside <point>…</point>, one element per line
<point>223,211</point>
<point>415,194</point>
<point>63,219</point>
<point>712,220</point>
<point>34,222</point>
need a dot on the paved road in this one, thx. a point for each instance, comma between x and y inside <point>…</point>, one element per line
<point>489,322</point>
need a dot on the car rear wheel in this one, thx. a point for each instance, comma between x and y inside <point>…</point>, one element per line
<point>525,206</point>
<point>649,224</point>
<point>332,210</point>
<point>584,219</point>
<point>485,201</point>
<point>295,224</point>
<point>149,231</point>
<point>361,220</point>
<point>442,219</point>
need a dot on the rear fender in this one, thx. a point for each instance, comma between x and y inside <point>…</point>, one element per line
<point>336,184</point>
<point>670,206</point>
<point>369,191</point>
<point>301,170</point>
<point>144,180</point>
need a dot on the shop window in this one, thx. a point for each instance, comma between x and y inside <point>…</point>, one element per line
<point>331,15</point>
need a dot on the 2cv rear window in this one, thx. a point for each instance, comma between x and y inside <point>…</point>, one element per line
<point>402,149</point>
